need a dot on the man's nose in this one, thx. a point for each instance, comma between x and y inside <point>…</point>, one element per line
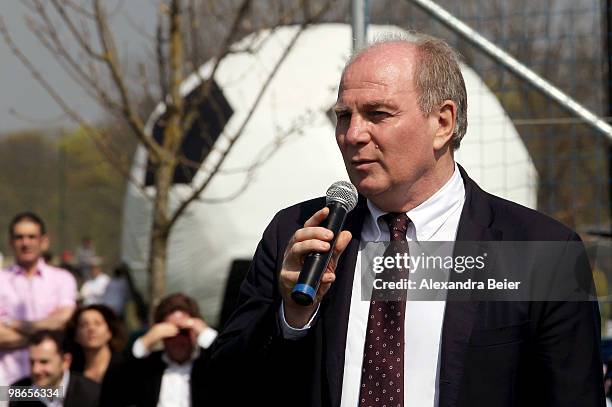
<point>357,131</point>
<point>36,368</point>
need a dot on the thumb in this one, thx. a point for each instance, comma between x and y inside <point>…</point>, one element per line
<point>344,238</point>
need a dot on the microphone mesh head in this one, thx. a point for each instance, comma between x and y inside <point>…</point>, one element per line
<point>344,193</point>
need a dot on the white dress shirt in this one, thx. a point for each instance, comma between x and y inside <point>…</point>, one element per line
<point>175,390</point>
<point>93,290</point>
<point>436,219</point>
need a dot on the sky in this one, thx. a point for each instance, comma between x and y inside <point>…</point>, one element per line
<point>19,92</point>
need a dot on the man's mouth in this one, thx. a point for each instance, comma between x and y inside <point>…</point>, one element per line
<point>362,163</point>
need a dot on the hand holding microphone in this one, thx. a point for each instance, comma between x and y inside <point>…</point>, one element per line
<point>312,254</point>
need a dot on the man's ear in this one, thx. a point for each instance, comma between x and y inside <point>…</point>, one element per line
<point>66,361</point>
<point>44,242</point>
<point>446,121</point>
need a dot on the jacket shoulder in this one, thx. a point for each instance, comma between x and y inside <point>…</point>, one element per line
<point>301,211</point>
<point>26,381</point>
<point>522,223</point>
<point>286,221</point>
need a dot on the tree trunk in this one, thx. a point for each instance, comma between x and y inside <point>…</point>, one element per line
<point>158,247</point>
<point>173,136</point>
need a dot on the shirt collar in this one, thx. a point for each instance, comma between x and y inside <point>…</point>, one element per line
<point>430,215</point>
<point>63,387</point>
<point>41,267</point>
<point>65,381</point>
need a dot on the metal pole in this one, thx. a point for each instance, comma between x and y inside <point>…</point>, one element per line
<point>607,33</point>
<point>61,213</point>
<point>515,66</point>
<point>359,12</point>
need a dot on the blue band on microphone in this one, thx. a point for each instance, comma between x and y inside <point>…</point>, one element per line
<point>306,289</point>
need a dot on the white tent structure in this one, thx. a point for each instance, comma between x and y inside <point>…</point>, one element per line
<point>294,109</point>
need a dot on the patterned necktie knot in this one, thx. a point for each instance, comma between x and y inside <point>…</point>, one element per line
<point>398,225</point>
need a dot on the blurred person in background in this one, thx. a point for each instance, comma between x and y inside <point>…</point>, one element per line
<point>118,290</point>
<point>125,299</point>
<point>48,257</point>
<point>85,253</point>
<point>97,338</point>
<point>94,288</point>
<point>50,364</point>
<point>608,381</point>
<point>34,296</point>
<point>168,364</point>
<point>67,262</point>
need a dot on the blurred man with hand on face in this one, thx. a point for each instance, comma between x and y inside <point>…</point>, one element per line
<point>34,296</point>
<point>50,373</point>
<point>168,364</point>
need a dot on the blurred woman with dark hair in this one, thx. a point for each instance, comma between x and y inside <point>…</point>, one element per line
<point>98,338</point>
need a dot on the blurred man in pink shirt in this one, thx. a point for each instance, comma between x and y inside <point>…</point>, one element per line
<point>34,296</point>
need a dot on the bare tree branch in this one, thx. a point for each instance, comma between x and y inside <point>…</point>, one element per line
<point>146,35</point>
<point>79,9</point>
<point>57,49</point>
<point>118,6</point>
<point>162,70</point>
<point>131,115</point>
<point>184,204</point>
<point>98,68</point>
<point>264,155</point>
<point>76,34</point>
<point>145,82</point>
<point>46,122</point>
<point>99,138</point>
<point>173,135</point>
<point>194,38</point>
<point>226,49</point>
<point>205,83</point>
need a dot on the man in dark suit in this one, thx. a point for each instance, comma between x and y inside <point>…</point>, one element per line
<point>50,370</point>
<point>172,377</point>
<point>402,111</point>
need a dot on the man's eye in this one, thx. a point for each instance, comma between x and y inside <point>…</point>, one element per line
<point>342,115</point>
<point>379,114</point>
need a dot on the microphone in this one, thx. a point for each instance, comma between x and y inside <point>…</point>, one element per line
<point>341,198</point>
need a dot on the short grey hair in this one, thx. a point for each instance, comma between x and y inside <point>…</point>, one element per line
<point>437,74</point>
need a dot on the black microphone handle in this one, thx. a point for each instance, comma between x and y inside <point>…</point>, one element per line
<point>315,263</point>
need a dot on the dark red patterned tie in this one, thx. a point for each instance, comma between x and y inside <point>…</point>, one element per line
<point>382,373</point>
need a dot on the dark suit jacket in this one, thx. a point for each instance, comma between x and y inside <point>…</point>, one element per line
<point>137,382</point>
<point>492,353</point>
<point>81,392</point>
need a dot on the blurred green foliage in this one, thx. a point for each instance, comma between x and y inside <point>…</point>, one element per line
<point>66,180</point>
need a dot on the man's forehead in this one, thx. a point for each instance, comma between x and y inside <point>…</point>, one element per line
<point>44,350</point>
<point>379,70</point>
<point>400,54</point>
<point>366,94</point>
<point>26,226</point>
<point>363,102</point>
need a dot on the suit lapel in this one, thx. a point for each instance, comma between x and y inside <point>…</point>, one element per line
<point>69,395</point>
<point>338,303</point>
<point>158,367</point>
<point>459,316</point>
